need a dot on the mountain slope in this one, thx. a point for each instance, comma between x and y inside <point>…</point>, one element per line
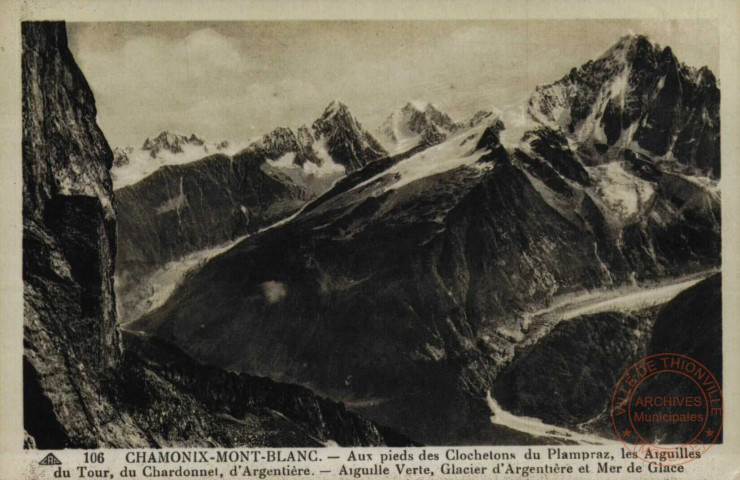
<point>638,96</point>
<point>691,325</point>
<point>396,274</point>
<point>85,387</point>
<point>568,377</point>
<point>186,208</point>
<point>180,209</point>
<point>645,222</point>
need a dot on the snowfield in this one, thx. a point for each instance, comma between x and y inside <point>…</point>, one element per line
<point>456,151</point>
<point>623,193</point>
<point>401,138</point>
<point>142,164</point>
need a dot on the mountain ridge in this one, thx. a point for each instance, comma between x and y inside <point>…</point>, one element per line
<point>422,124</point>
<point>334,144</point>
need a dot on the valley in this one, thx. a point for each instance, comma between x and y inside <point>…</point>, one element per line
<point>541,323</point>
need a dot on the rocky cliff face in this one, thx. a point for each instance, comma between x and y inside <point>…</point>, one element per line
<point>69,245</point>
<point>82,387</point>
<point>638,96</point>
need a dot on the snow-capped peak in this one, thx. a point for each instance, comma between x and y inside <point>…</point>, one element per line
<point>345,139</point>
<point>172,142</point>
<point>335,107</point>
<point>418,123</point>
<point>131,164</point>
<point>418,105</point>
<point>636,95</point>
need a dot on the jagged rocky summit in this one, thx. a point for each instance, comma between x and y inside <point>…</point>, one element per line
<point>637,96</point>
<point>336,144</point>
<point>422,124</point>
<point>84,385</point>
<point>131,164</point>
<point>173,143</point>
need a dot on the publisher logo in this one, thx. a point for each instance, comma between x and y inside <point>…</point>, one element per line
<point>50,459</point>
<point>667,409</point>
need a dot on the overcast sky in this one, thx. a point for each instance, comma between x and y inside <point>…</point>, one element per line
<point>237,80</point>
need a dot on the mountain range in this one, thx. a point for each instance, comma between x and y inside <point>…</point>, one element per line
<point>131,164</point>
<point>336,143</point>
<point>188,207</point>
<point>410,278</point>
<point>396,284</point>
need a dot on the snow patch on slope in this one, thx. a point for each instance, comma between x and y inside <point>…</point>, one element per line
<point>154,290</point>
<point>634,301</point>
<point>174,203</point>
<point>328,165</point>
<point>623,193</point>
<point>405,139</point>
<point>316,177</point>
<point>456,152</point>
<point>286,161</point>
<point>142,164</point>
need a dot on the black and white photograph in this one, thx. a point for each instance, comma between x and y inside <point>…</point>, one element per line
<point>374,233</point>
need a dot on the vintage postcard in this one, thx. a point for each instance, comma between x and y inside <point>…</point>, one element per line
<point>410,240</point>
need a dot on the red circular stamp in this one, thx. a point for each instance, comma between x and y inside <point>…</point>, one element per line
<point>667,409</point>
